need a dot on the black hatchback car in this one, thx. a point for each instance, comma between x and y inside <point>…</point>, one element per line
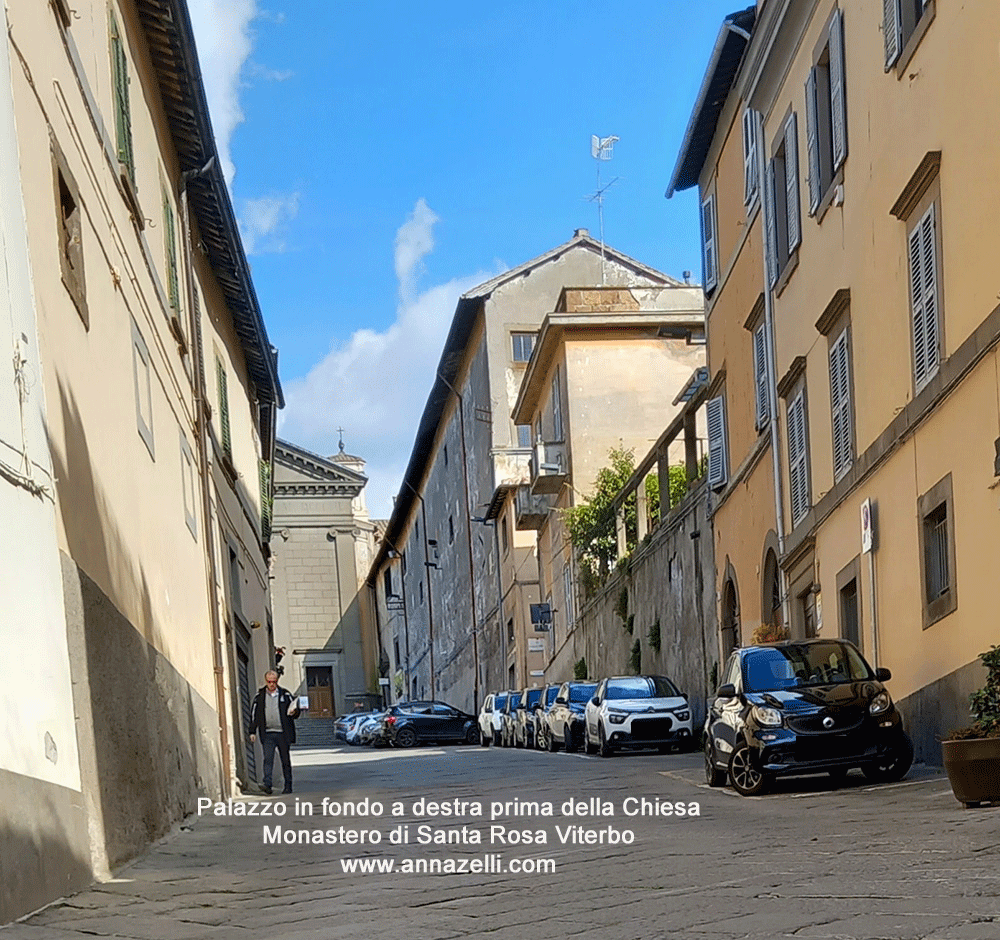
<point>411,723</point>
<point>802,707</point>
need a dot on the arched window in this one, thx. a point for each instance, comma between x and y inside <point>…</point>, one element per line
<point>730,619</point>
<point>771,591</point>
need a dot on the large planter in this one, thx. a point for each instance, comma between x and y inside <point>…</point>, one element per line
<point>973,767</point>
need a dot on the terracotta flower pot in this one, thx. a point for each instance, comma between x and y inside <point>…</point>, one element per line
<point>973,767</point>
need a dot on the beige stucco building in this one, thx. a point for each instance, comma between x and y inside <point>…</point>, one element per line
<point>137,427</point>
<point>603,375</point>
<point>846,217</point>
<point>322,544</point>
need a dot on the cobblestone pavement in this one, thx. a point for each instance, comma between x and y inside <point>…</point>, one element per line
<point>809,860</point>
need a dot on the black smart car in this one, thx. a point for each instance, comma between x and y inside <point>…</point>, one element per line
<point>802,707</point>
<point>410,723</point>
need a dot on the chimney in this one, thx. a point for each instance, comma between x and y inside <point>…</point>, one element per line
<point>581,233</point>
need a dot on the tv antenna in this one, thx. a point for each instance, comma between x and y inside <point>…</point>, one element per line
<point>601,149</point>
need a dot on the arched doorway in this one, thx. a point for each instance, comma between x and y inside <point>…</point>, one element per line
<point>730,627</point>
<point>770,606</point>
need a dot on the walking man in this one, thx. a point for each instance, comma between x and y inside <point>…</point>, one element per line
<point>272,717</point>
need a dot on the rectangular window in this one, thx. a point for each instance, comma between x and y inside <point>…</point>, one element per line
<point>223,387</point>
<point>751,121</point>
<point>557,421</point>
<point>826,113</point>
<point>143,387</point>
<point>70,234</point>
<point>387,582</point>
<point>524,435</point>
<point>170,254</point>
<point>188,485</point>
<point>709,244</point>
<point>451,530</point>
<point>420,590</point>
<point>850,619</point>
<point>937,552</point>
<point>510,631</point>
<point>568,600</point>
<point>503,534</point>
<point>123,115</point>
<point>715,414</point>
<point>521,346</point>
<point>760,377</point>
<point>841,404</point>
<point>903,20</point>
<point>266,499</point>
<point>924,312</point>
<point>798,457</point>
<point>783,230</point>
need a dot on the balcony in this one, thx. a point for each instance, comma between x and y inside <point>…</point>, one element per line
<point>530,512</point>
<point>549,467</point>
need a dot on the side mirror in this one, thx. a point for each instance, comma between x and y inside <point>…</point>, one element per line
<point>560,700</point>
<point>595,701</point>
<point>535,707</point>
<point>883,674</point>
<point>726,691</point>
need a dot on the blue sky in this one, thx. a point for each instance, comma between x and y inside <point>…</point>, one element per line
<point>384,157</point>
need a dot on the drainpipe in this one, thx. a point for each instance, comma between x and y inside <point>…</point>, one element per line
<point>772,386</point>
<point>468,531</point>
<point>202,435</point>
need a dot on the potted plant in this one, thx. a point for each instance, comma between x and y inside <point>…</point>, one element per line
<point>972,755</point>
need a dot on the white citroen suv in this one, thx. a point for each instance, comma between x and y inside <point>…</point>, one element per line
<point>637,711</point>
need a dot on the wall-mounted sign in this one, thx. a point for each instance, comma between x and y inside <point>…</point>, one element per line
<point>867,526</point>
<point>536,644</point>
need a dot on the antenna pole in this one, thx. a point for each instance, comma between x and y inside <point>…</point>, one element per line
<point>600,150</point>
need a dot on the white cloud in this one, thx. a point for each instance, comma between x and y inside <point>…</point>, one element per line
<point>375,385</point>
<point>262,222</point>
<point>222,31</point>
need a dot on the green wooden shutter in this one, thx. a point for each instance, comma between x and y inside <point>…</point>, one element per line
<point>170,237</point>
<point>123,118</point>
<point>266,501</point>
<point>223,382</point>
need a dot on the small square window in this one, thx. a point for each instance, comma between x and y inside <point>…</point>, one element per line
<point>524,435</point>
<point>521,346</point>
<point>937,552</point>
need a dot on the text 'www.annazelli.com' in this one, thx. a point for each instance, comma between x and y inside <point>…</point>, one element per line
<point>480,865</point>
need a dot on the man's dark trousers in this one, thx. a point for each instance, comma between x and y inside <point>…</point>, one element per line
<point>269,741</point>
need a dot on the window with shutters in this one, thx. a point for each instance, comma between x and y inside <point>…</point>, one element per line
<point>904,23</point>
<point>925,313</point>
<point>225,431</point>
<point>709,244</point>
<point>123,114</point>
<point>826,116</point>
<point>715,416</point>
<point>798,456</point>
<point>70,216</point>
<point>782,211</point>
<point>557,419</point>
<point>143,387</point>
<point>266,499</point>
<point>188,486</point>
<point>841,404</point>
<point>937,552</point>
<point>762,408</point>
<point>170,255</point>
<point>751,173</point>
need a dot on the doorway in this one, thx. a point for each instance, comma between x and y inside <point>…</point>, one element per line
<point>319,685</point>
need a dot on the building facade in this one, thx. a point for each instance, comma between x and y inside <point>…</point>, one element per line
<point>860,263</point>
<point>138,424</point>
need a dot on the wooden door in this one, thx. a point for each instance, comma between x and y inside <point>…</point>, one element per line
<point>319,684</point>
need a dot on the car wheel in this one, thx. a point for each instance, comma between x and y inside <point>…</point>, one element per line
<point>406,737</point>
<point>894,765</point>
<point>568,739</point>
<point>472,735</point>
<point>552,742</point>
<point>744,774</point>
<point>713,776</point>
<point>605,749</point>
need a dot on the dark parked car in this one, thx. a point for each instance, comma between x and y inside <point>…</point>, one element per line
<point>411,723</point>
<point>524,718</point>
<point>565,717</point>
<point>802,707</point>
<point>507,718</point>
<point>549,694</point>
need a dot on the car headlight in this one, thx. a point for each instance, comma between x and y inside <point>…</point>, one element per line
<point>768,717</point>
<point>683,715</point>
<point>880,703</point>
<point>617,718</point>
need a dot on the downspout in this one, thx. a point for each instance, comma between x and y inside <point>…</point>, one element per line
<point>202,436</point>
<point>772,387</point>
<point>468,531</point>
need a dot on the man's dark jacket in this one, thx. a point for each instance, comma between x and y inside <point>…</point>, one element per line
<point>258,721</point>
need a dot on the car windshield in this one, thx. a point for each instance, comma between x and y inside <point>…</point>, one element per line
<point>772,668</point>
<point>641,687</point>
<point>550,694</point>
<point>582,693</point>
<point>499,702</point>
<point>515,700</point>
<point>534,695</point>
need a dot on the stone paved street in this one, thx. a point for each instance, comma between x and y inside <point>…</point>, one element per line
<point>807,861</point>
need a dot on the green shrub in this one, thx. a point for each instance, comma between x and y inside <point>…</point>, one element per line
<point>654,635</point>
<point>580,669</point>
<point>635,659</point>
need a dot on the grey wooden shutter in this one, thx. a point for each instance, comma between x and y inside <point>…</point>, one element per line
<point>760,374</point>
<point>715,414</point>
<point>840,402</point>
<point>770,226</point>
<point>792,183</point>
<point>224,426</point>
<point>709,251</point>
<point>812,143</point>
<point>891,31</point>
<point>838,100</point>
<point>797,468</point>
<point>749,156</point>
<point>923,298</point>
